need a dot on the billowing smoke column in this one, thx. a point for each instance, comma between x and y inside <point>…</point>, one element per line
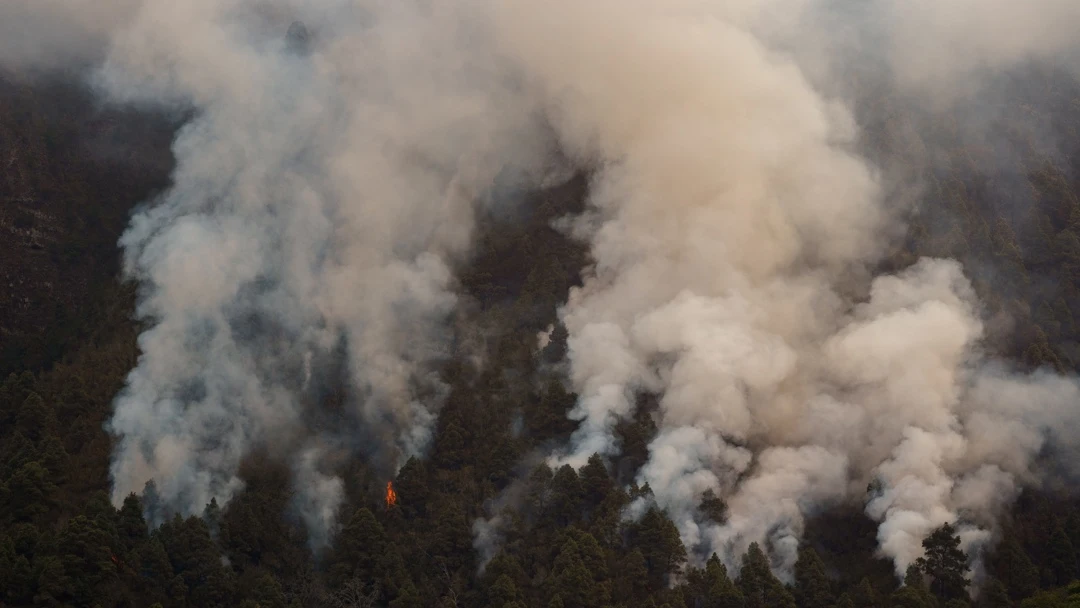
<point>732,231</point>
<point>329,177</point>
<point>324,185</point>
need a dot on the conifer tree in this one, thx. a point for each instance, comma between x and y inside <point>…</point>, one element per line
<point>945,563</point>
<point>812,586</point>
<point>721,591</point>
<point>759,585</point>
<point>1012,566</point>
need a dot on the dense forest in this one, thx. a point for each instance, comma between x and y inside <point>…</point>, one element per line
<point>73,171</point>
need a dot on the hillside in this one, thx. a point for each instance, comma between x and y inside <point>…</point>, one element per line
<point>537,307</point>
<point>72,173</point>
<point>75,171</point>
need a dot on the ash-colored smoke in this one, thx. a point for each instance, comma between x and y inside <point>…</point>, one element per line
<point>46,34</point>
<point>323,187</point>
<point>733,229</point>
<point>943,48</point>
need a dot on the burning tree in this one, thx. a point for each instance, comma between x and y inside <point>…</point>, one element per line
<point>391,495</point>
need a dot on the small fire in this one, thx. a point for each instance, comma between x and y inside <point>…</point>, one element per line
<point>391,495</point>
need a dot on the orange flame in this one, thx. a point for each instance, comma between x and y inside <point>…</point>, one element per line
<point>391,495</point>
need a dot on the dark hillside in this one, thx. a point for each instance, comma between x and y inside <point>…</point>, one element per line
<point>71,174</point>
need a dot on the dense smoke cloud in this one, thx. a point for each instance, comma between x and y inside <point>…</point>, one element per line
<point>322,190</point>
<point>327,182</point>
<point>733,227</point>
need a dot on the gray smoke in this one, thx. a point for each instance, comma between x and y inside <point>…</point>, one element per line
<point>329,178</point>
<point>47,34</point>
<point>736,228</point>
<point>322,190</point>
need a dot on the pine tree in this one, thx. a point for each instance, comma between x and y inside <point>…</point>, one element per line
<point>914,593</point>
<point>721,592</point>
<point>1061,557</point>
<point>913,577</point>
<point>812,586</point>
<point>412,488</point>
<point>87,551</point>
<point>30,492</point>
<point>35,420</point>
<point>864,595</point>
<point>566,496</point>
<point>131,527</point>
<point>212,517</point>
<point>503,565</point>
<point>359,549</point>
<point>591,553</point>
<point>503,592</point>
<point>945,563</point>
<point>713,507</point>
<point>758,584</point>
<point>909,597</point>
<point>596,483</point>
<point>409,597</point>
<point>1012,566</point>
<point>266,593</point>
<point>155,572</point>
<point>572,581</point>
<point>196,559</point>
<point>631,579</point>
<point>661,545</point>
<point>994,595</point>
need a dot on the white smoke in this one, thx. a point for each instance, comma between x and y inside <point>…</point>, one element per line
<point>323,189</point>
<point>735,227</point>
<point>320,497</point>
<point>944,48</point>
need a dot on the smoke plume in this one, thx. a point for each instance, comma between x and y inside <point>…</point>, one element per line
<point>329,177</point>
<point>323,189</point>
<point>734,235</point>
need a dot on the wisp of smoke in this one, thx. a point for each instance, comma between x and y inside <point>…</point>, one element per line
<point>328,179</point>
